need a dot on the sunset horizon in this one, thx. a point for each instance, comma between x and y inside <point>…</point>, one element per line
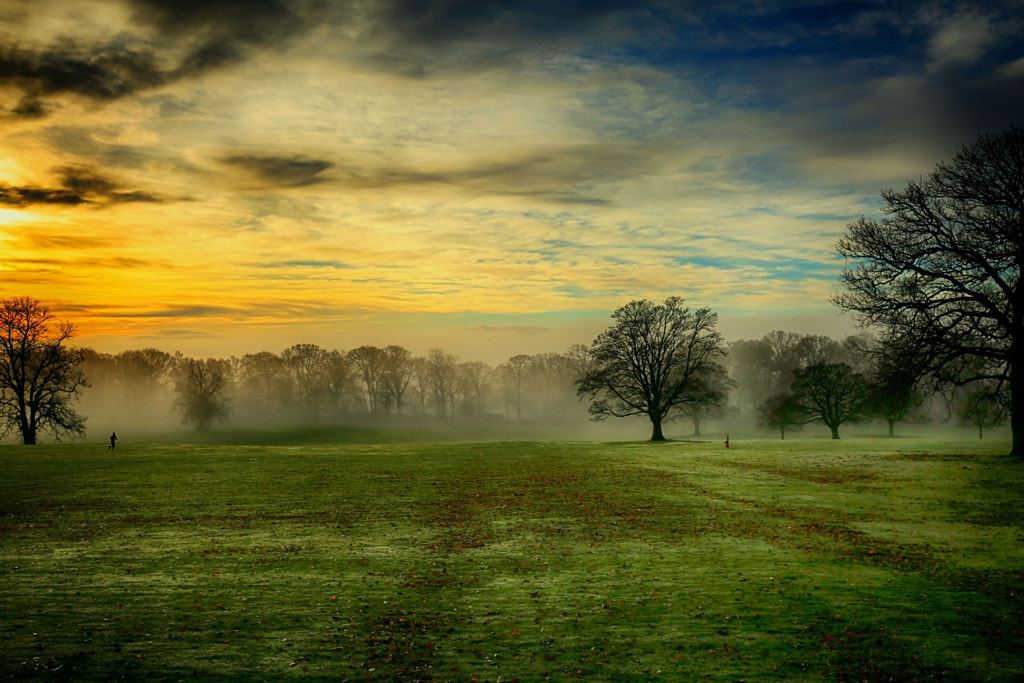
<point>221,178</point>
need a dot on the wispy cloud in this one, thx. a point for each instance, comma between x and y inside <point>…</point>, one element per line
<point>296,171</point>
<point>356,162</point>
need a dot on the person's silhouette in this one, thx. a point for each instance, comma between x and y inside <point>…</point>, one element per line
<point>113,441</point>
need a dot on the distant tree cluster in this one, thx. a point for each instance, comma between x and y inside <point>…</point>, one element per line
<point>791,380</point>
<point>794,379</point>
<point>661,361</point>
<point>308,383</point>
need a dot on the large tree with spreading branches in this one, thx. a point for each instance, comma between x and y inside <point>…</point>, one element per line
<point>940,272</point>
<point>652,361</point>
<point>39,373</point>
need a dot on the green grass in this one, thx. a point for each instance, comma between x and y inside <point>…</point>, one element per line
<point>863,560</point>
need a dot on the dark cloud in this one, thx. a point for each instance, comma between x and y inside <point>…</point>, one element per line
<point>214,33</point>
<point>295,171</point>
<point>564,175</point>
<point>78,185</point>
<point>28,195</point>
<point>249,22</point>
<point>180,312</point>
<point>30,107</point>
<point>99,73</point>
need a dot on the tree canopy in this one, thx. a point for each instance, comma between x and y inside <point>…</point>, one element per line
<point>832,394</point>
<point>39,374</point>
<point>651,361</point>
<point>940,272</point>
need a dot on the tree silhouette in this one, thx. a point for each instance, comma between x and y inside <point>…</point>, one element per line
<point>941,270</point>
<point>649,362</point>
<point>983,408</point>
<point>39,374</point>
<point>782,412</point>
<point>201,388</point>
<point>831,393</point>
<point>369,363</point>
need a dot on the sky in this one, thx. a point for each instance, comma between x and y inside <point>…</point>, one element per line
<point>223,177</point>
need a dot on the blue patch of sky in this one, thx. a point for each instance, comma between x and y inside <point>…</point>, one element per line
<point>767,170</point>
<point>740,45</point>
<point>788,268</point>
<point>574,291</point>
<point>826,217</point>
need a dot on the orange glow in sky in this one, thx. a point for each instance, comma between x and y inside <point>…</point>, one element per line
<point>233,177</point>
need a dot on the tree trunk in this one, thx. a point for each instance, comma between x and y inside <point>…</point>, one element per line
<point>696,426</point>
<point>783,429</point>
<point>892,426</point>
<point>980,436</point>
<point>656,433</point>
<point>28,430</point>
<point>835,431</point>
<point>1017,410</point>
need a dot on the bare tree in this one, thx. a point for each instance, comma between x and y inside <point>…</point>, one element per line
<point>143,370</point>
<point>896,374</point>
<point>421,382</point>
<point>832,394</point>
<point>201,388</point>
<point>305,363</point>
<point>749,363</point>
<point>648,361</point>
<point>369,365</point>
<point>710,397</point>
<point>442,377</point>
<point>338,380</point>
<point>474,380</point>
<point>514,373</point>
<point>551,382</point>
<point>397,373</point>
<point>264,376</point>
<point>984,408</point>
<point>942,268</point>
<point>581,360</point>
<point>39,374</point>
<point>782,412</point>
<point>765,367</point>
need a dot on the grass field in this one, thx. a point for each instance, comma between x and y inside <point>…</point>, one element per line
<point>863,560</point>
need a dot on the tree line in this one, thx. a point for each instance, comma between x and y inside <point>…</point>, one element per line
<point>664,361</point>
<point>936,280</point>
<point>309,383</point>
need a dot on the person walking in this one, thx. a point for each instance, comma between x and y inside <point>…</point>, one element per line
<point>113,441</point>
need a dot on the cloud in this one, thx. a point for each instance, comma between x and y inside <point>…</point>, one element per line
<point>249,22</point>
<point>295,171</point>
<point>78,185</point>
<point>560,174</point>
<point>98,72</point>
<point>960,41</point>
<point>180,39</point>
<point>517,329</point>
<point>28,195</point>
<point>179,312</point>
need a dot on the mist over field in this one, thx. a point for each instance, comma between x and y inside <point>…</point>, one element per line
<point>528,397</point>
